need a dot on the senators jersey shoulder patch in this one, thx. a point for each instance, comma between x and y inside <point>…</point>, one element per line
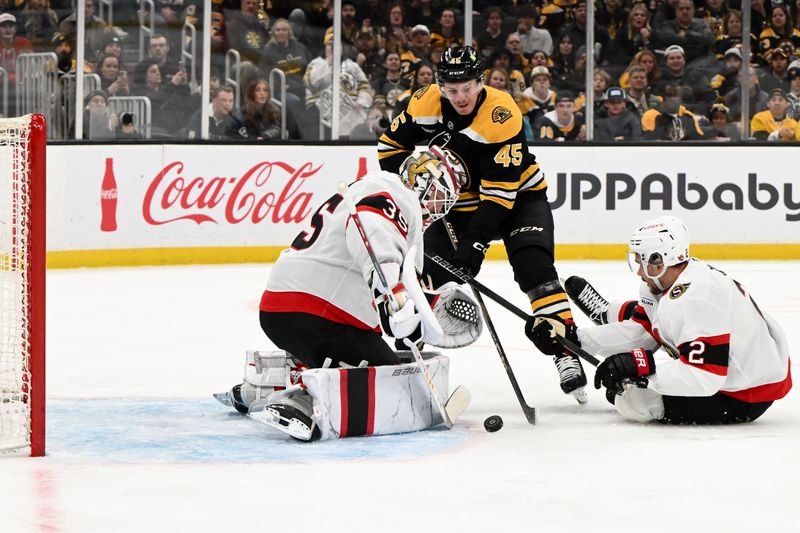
<point>500,114</point>
<point>678,291</point>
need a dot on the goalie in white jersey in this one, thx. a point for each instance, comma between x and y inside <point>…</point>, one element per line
<point>326,305</point>
<point>697,348</point>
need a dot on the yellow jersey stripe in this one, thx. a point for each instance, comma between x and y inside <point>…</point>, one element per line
<point>547,300</point>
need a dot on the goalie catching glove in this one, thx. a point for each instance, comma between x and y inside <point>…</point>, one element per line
<point>457,311</point>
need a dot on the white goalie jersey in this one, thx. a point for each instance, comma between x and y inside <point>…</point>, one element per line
<point>712,336</point>
<point>326,271</point>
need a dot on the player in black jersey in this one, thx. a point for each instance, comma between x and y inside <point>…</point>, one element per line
<point>504,196</point>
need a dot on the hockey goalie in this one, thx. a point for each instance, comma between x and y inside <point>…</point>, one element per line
<point>347,280</point>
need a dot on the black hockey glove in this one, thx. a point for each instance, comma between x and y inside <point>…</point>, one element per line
<point>543,329</point>
<point>614,370</point>
<point>468,257</point>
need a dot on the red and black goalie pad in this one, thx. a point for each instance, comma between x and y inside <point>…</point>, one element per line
<point>357,393</point>
<point>707,353</point>
<point>384,205</point>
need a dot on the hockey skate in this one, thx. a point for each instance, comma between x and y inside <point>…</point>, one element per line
<point>573,378</point>
<point>587,299</point>
<point>290,411</point>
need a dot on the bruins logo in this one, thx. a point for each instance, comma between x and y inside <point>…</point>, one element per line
<point>418,94</point>
<point>678,291</point>
<point>501,114</point>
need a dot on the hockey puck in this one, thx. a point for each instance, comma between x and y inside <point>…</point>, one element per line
<point>493,423</point>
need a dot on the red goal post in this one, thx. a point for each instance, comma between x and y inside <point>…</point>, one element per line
<point>22,284</point>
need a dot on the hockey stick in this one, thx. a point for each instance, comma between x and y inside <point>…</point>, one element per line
<point>479,287</point>
<point>527,410</point>
<point>351,207</point>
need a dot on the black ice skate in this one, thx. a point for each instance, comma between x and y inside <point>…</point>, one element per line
<point>290,414</point>
<point>573,378</point>
<point>587,299</point>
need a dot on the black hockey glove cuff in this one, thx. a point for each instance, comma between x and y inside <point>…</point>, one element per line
<point>469,254</point>
<point>543,329</point>
<point>616,369</point>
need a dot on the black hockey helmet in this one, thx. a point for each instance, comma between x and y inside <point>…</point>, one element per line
<point>460,63</point>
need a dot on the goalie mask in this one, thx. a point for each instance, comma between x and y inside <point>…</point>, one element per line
<point>657,245</point>
<point>436,175</point>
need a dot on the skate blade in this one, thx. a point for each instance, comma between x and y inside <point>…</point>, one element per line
<point>291,426</point>
<point>224,398</point>
<point>580,396</point>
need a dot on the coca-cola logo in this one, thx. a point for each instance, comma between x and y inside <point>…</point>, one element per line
<point>261,193</point>
<point>108,194</point>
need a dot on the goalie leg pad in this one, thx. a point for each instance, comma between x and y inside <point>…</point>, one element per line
<point>264,373</point>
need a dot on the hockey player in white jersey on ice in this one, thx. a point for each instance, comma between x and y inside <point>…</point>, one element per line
<point>696,349</point>
<point>325,304</point>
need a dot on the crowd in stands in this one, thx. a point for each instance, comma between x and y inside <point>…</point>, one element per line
<point>663,69</point>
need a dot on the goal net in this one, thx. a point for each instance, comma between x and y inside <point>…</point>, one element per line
<point>22,267</point>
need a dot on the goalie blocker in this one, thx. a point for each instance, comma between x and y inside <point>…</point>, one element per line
<point>344,402</point>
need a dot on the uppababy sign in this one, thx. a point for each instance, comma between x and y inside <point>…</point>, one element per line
<point>744,195</point>
<point>667,193</point>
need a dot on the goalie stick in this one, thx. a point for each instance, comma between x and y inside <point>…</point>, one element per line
<point>461,394</point>
<point>479,287</point>
<point>527,410</point>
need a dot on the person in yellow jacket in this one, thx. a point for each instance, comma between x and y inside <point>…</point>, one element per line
<point>774,124</point>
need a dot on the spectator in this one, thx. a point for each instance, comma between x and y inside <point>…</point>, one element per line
<point>391,85</point>
<point>421,12</point>
<point>245,32</point>
<point>65,54</point>
<point>533,38</point>
<point>126,130</point>
<point>419,48</point>
<point>423,77</point>
<point>220,120</point>
<point>601,82</point>
<point>774,124</point>
<point>577,32</point>
<point>368,57</point>
<point>539,58</point>
<point>258,119</point>
<point>663,11</point>
<point>498,78</point>
<point>11,45</point>
<point>612,16</point>
<point>731,35</point>
<point>112,80</point>
<point>647,60</point>
<point>563,60</point>
<point>306,33</point>
<point>518,60</point>
<point>693,83</point>
<point>691,34</point>
<point>562,124</point>
<point>713,12</point>
<point>492,37</point>
<point>758,98</point>
<point>727,79</point>
<point>793,96</point>
<point>169,23</point>
<point>446,31</point>
<point>356,93</point>
<point>671,121</point>
<point>167,100</point>
<point>112,45</point>
<point>554,14</point>
<point>375,125</point>
<point>779,27</point>
<point>350,23</point>
<point>39,24</point>
<point>775,77</point>
<point>374,13</point>
<point>638,95</point>
<point>158,50</point>
<point>542,98</point>
<point>96,30</point>
<point>720,127</point>
<point>396,30</point>
<point>285,53</point>
<point>99,123</point>
<point>632,37</point>
<point>615,122</point>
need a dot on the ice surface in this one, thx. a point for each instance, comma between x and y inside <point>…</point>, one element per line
<point>137,444</point>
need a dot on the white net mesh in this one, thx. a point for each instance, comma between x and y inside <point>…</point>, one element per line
<point>14,277</point>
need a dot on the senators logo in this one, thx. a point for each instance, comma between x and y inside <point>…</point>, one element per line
<point>500,114</point>
<point>678,291</point>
